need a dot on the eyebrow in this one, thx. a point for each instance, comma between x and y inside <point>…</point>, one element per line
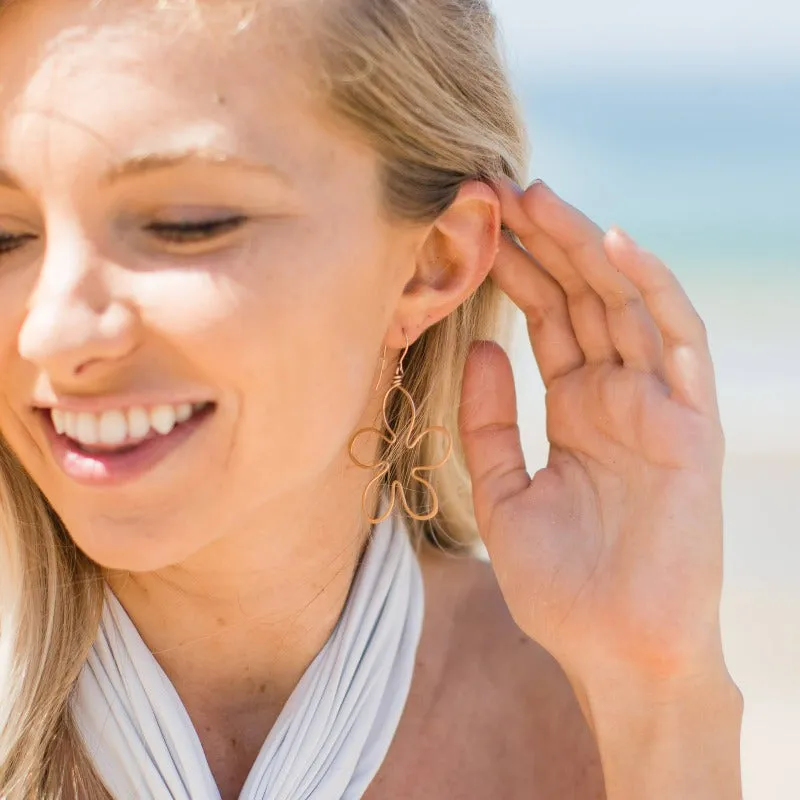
<point>157,162</point>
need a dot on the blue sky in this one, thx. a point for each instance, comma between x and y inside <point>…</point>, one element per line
<point>748,37</point>
<point>677,118</point>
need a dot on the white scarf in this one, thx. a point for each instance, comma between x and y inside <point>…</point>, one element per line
<point>330,738</point>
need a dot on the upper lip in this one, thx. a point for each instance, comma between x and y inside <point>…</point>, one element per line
<point>97,404</point>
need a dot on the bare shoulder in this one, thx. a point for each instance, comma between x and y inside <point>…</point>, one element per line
<point>491,713</point>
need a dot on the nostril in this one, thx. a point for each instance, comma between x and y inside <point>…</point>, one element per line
<point>81,368</point>
<point>66,336</point>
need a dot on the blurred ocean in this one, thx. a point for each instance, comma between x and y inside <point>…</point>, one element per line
<point>706,173</point>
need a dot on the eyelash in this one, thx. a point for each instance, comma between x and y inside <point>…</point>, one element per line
<point>10,243</point>
<point>170,232</point>
<point>192,232</point>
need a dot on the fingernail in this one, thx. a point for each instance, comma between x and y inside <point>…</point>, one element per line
<point>623,235</point>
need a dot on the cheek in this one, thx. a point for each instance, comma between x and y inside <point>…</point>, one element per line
<point>291,333</point>
<point>311,355</point>
<point>17,283</point>
<point>17,376</point>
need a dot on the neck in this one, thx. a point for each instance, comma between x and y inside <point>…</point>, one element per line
<point>236,626</point>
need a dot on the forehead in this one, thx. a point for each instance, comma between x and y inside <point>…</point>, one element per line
<point>118,76</point>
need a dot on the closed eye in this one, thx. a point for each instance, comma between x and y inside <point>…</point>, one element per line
<point>9,243</point>
<point>191,232</point>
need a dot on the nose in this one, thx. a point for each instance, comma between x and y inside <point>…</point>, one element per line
<point>75,323</point>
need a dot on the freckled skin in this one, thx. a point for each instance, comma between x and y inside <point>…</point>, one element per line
<point>234,556</point>
<point>290,308</point>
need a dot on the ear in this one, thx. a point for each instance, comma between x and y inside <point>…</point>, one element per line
<point>452,262</point>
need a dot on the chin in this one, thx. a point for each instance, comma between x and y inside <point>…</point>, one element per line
<point>129,545</point>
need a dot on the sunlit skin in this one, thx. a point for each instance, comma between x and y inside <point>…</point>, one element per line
<point>254,524</point>
<point>248,533</point>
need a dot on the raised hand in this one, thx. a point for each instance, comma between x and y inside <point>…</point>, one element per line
<point>611,555</point>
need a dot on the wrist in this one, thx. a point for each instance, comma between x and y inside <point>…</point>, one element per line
<point>667,740</point>
<point>607,686</point>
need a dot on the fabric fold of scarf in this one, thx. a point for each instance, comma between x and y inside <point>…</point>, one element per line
<point>331,736</point>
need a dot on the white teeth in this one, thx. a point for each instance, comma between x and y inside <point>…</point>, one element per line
<point>138,422</point>
<point>87,429</point>
<point>163,419</point>
<point>71,424</point>
<point>118,427</point>
<point>58,420</point>
<point>113,428</point>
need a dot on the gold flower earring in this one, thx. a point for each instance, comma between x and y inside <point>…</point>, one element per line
<point>410,441</point>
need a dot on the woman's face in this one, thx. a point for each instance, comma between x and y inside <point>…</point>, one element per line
<point>180,225</point>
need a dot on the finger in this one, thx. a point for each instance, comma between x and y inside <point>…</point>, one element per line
<point>542,300</point>
<point>632,330</point>
<point>586,308</point>
<point>688,366</point>
<point>487,420</point>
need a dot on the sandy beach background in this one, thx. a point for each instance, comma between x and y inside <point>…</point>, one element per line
<point>682,125</point>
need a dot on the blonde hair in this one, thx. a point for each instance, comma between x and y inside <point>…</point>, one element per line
<point>425,82</point>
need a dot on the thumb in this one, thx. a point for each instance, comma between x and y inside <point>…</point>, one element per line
<point>487,421</point>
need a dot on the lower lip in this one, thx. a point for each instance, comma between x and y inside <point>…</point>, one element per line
<point>114,469</point>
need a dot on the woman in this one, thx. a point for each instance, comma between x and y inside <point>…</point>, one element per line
<point>253,261</point>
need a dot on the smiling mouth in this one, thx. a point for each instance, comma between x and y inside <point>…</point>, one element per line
<point>119,446</point>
